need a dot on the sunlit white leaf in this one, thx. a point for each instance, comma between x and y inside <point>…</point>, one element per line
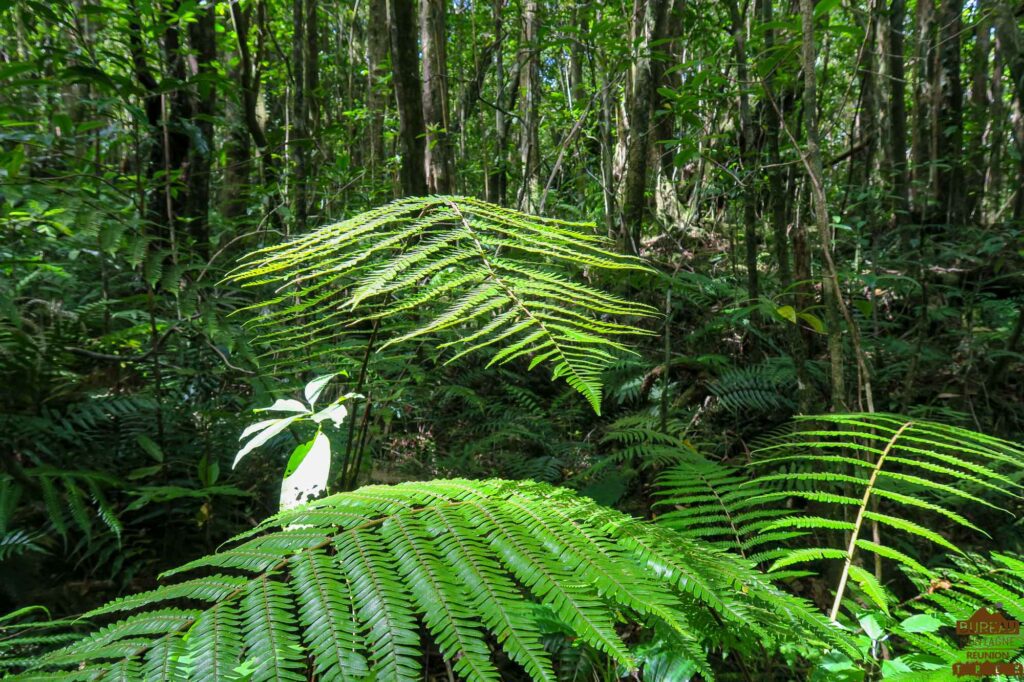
<point>258,426</point>
<point>262,437</point>
<point>285,405</point>
<point>307,473</point>
<point>315,387</point>
<point>335,413</point>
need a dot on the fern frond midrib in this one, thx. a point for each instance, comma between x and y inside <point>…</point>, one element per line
<point>858,522</point>
<point>519,304</point>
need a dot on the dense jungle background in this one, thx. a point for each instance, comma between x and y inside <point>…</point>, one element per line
<point>811,208</point>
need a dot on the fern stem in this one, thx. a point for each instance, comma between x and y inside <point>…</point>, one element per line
<point>360,382</point>
<point>855,534</point>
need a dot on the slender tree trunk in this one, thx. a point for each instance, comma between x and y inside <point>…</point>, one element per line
<point>866,131</point>
<point>377,57</point>
<point>311,104</point>
<point>607,155</point>
<point>667,204</point>
<point>950,121</point>
<point>438,157</point>
<point>649,18</point>
<point>298,133</point>
<point>773,127</point>
<point>819,203</point>
<point>1011,47</point>
<point>980,111</point>
<point>203,38</point>
<point>923,79</point>
<point>748,152</point>
<point>405,73</point>
<point>497,179</point>
<point>529,138</point>
<point>153,105</point>
<point>898,113</point>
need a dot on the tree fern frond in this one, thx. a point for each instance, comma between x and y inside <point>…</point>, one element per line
<point>895,468</point>
<point>348,587</point>
<point>493,276</point>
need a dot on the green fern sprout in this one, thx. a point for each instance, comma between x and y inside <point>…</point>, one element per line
<point>498,277</point>
<point>346,587</point>
<point>882,471</point>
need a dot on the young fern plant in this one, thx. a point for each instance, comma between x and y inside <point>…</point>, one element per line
<point>881,472</point>
<point>471,275</point>
<point>347,587</point>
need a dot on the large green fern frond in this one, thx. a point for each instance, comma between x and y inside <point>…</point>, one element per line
<point>496,278</point>
<point>905,479</point>
<point>350,586</point>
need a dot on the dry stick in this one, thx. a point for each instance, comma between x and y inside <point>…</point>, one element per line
<point>852,548</point>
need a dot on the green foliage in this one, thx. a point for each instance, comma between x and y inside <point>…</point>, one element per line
<point>716,503</point>
<point>340,587</point>
<point>887,472</point>
<point>767,387</point>
<point>424,266</point>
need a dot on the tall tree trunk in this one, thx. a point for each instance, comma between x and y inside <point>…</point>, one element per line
<point>950,122</point>
<point>299,115</point>
<point>667,203</point>
<point>980,112</point>
<point>203,39</point>
<point>529,138</point>
<point>153,104</point>
<point>405,73</point>
<point>497,179</point>
<point>249,91</point>
<point>1011,47</point>
<point>177,115</point>
<point>898,113</point>
<point>311,104</point>
<point>865,139</point>
<point>438,156</point>
<point>819,204</point>
<point>649,17</point>
<point>924,74</point>
<point>748,152</point>
<point>377,57</point>
<point>777,196</point>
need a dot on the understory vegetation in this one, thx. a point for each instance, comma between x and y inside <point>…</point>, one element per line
<point>519,340</point>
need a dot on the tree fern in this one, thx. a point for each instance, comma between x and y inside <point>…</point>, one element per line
<point>886,472</point>
<point>350,587</point>
<point>498,277</point>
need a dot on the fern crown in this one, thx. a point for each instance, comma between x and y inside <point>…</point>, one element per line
<point>499,279</point>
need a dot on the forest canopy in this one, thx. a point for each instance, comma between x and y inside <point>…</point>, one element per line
<point>511,340</point>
